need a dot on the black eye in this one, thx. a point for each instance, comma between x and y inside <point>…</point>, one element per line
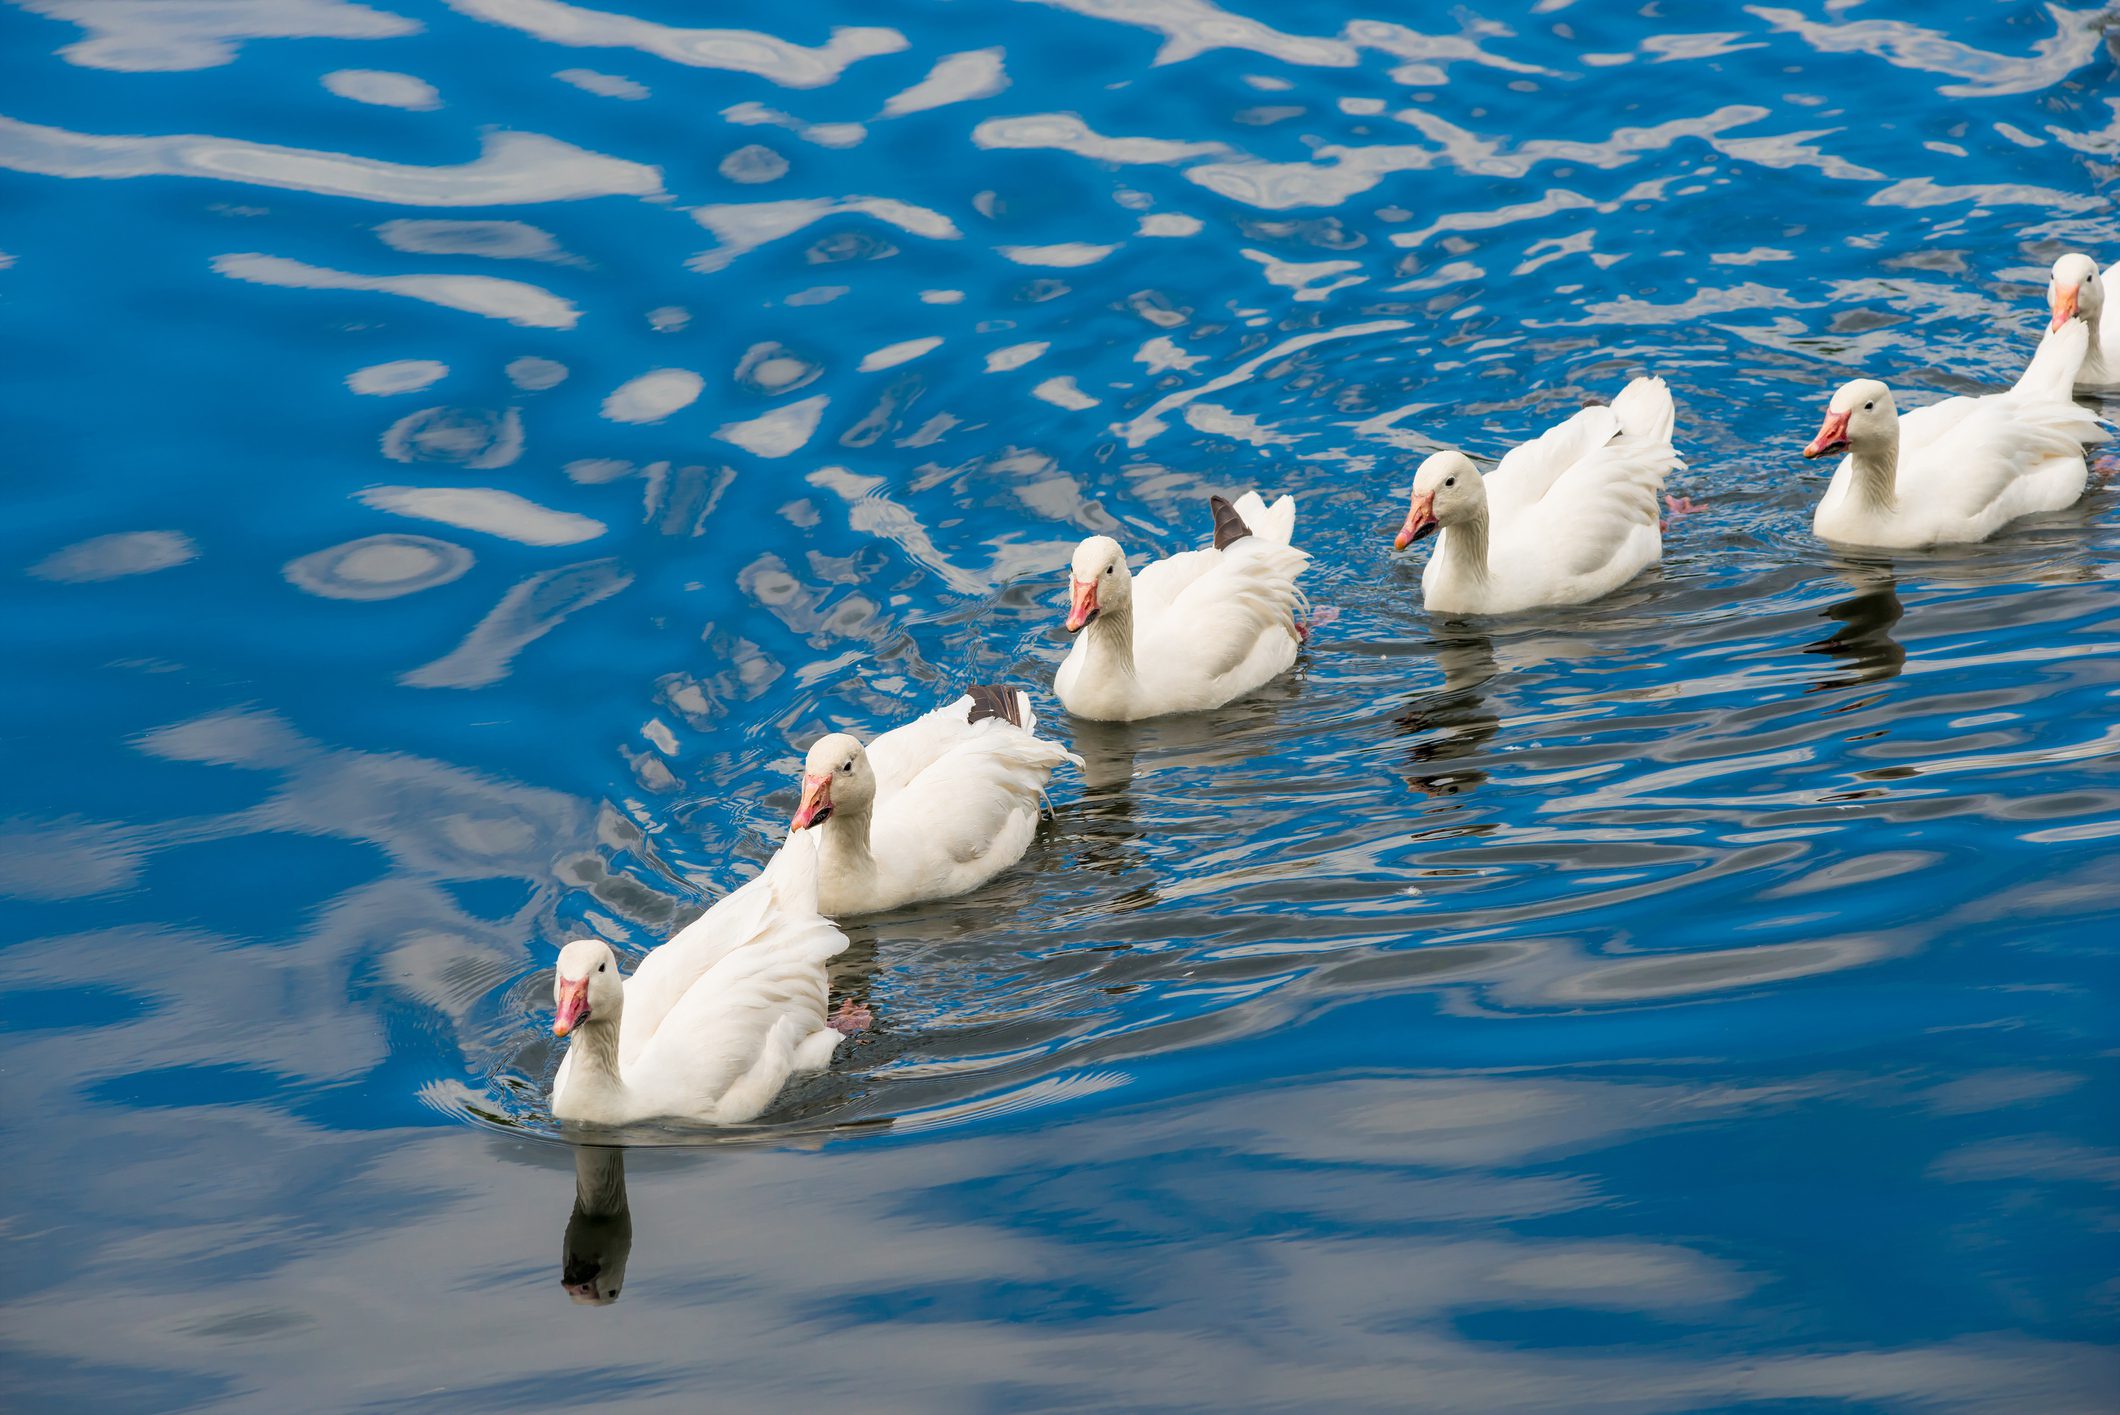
<point>1449,481</point>
<point>847,765</point>
<point>1867,406</point>
<point>601,966</point>
<point>1107,569</point>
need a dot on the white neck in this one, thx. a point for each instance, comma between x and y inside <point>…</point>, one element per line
<point>1876,471</point>
<point>844,859</point>
<point>2097,368</point>
<point>595,1090</point>
<point>1108,648</point>
<point>1461,550</point>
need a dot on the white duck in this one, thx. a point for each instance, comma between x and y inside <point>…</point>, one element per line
<point>1961,469</point>
<point>2076,289</point>
<point>1190,632</point>
<point>711,1025</point>
<point>929,810</point>
<point>1563,519</point>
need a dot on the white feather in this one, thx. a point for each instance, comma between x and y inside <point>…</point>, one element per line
<point>1192,631</point>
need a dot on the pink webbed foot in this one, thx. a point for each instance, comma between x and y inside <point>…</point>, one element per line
<point>2107,466</point>
<point>1680,506</point>
<point>851,1017</point>
<point>1319,617</point>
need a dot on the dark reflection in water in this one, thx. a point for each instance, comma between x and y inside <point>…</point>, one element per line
<point>1454,722</point>
<point>600,1229</point>
<point>1864,639</point>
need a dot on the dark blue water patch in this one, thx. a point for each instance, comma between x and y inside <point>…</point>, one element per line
<point>172,1087</point>
<point>55,1384</point>
<point>74,1008</point>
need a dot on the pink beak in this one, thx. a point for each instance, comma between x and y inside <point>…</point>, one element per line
<point>1832,437</point>
<point>573,998</point>
<point>2064,306</point>
<point>816,803</point>
<point>1081,603</point>
<point>1420,520</point>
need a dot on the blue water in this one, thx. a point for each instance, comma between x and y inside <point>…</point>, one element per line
<point>457,454</point>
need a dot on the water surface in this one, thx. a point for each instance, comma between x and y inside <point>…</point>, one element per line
<point>459,454</point>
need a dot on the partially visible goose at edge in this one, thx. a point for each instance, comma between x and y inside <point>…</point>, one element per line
<point>1565,518</point>
<point>1959,470</point>
<point>1190,632</point>
<point>929,810</point>
<point>2077,291</point>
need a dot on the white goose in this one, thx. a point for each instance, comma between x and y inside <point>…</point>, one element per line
<point>1961,469</point>
<point>2076,289</point>
<point>711,1025</point>
<point>1190,632</point>
<point>929,810</point>
<point>1563,519</point>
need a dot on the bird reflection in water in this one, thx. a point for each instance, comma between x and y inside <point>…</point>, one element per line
<point>1454,721</point>
<point>600,1230</point>
<point>1864,639</point>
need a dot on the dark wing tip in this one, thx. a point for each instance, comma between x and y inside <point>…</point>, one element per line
<point>995,700</point>
<point>1229,526</point>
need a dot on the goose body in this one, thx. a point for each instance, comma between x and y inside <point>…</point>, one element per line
<point>1959,470</point>
<point>1189,632</point>
<point>712,1024</point>
<point>930,810</point>
<point>2079,292</point>
<point>1566,518</point>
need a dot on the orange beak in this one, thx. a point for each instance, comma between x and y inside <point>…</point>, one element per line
<point>572,996</point>
<point>1081,603</point>
<point>2063,304</point>
<point>1832,437</point>
<point>816,806</point>
<point>1420,520</point>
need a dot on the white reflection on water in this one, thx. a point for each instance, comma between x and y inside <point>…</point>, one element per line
<point>513,300</point>
<point>955,78</point>
<point>383,89</point>
<point>741,51</point>
<point>905,351</point>
<point>1988,75</point>
<point>512,167</point>
<point>167,35</point>
<point>1065,132</point>
<point>1148,423</point>
<point>472,437</point>
<point>486,509</point>
<point>115,556</point>
<point>653,396</point>
<point>1065,255</point>
<point>397,376</point>
<point>603,85</point>
<point>776,434</point>
<point>534,375</point>
<point>757,115</point>
<point>527,612</point>
<point>378,567</point>
<point>499,240</point>
<point>744,226</point>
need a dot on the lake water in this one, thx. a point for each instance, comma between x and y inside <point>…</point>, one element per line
<point>458,454</point>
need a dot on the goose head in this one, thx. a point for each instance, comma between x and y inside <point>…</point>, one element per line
<point>1447,489</point>
<point>586,987</point>
<point>2074,289</point>
<point>835,777</point>
<point>1861,415</point>
<point>1098,582</point>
